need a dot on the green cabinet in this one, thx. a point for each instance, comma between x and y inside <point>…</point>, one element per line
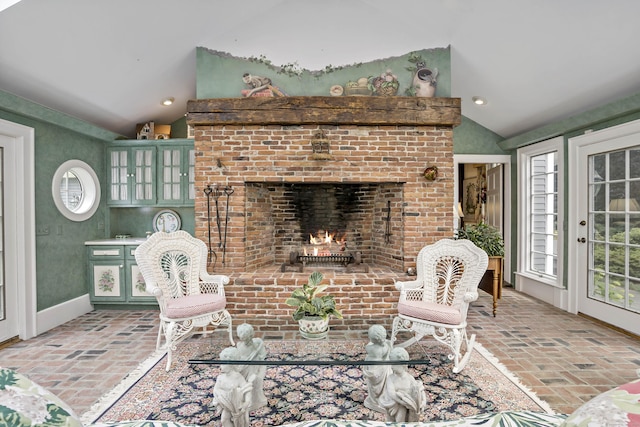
<point>114,276</point>
<point>151,173</point>
<point>176,175</point>
<point>132,172</point>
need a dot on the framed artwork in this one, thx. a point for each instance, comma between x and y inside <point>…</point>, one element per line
<point>469,197</point>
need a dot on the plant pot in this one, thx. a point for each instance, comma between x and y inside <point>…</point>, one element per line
<point>313,327</point>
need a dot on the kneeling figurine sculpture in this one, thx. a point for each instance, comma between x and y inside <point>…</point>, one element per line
<point>403,398</point>
<point>378,348</point>
<point>232,392</point>
<point>250,348</point>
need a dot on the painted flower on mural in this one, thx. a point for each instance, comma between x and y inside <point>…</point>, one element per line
<point>140,285</point>
<point>107,281</point>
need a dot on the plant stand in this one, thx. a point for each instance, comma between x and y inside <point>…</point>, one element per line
<point>494,288</point>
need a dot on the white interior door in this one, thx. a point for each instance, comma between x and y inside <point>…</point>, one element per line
<point>8,276</point>
<point>18,231</point>
<point>607,235</point>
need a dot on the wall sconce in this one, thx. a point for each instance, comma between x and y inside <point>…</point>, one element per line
<point>460,214</point>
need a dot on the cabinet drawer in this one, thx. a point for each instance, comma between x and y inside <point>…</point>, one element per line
<point>130,252</point>
<point>106,252</point>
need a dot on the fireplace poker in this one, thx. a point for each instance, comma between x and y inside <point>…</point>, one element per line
<point>217,193</point>
<point>207,191</point>
<point>387,234</point>
<point>228,191</point>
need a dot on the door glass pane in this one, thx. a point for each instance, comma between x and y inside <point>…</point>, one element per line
<point>543,212</point>
<point>614,187</point>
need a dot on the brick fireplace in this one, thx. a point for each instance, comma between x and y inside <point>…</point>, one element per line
<point>298,167</point>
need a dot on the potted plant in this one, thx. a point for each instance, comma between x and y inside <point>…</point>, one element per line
<point>484,236</point>
<point>312,310</point>
<point>489,239</point>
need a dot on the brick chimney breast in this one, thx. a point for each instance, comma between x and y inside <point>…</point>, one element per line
<point>372,184</point>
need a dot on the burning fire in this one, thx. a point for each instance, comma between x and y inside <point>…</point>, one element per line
<point>328,238</point>
<point>323,243</point>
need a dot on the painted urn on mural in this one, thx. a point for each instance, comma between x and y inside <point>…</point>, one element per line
<point>425,81</point>
<point>313,311</point>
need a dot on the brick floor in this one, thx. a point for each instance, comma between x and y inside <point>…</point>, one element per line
<point>565,359</point>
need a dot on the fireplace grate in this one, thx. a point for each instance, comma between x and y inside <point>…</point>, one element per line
<point>351,262</point>
<point>326,259</point>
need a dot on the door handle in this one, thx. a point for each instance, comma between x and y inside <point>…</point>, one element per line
<point>583,222</point>
<point>582,240</point>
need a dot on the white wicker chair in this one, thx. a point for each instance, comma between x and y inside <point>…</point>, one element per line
<point>436,303</point>
<point>174,267</point>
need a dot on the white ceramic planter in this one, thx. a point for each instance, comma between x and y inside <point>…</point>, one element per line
<point>313,328</point>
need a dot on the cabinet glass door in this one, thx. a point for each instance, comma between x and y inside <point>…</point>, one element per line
<point>119,175</point>
<point>171,174</point>
<point>144,168</point>
<point>177,175</point>
<point>192,175</point>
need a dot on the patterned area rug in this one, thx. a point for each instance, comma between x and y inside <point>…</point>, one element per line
<point>305,392</point>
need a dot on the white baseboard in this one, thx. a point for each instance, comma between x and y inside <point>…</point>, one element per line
<point>62,313</point>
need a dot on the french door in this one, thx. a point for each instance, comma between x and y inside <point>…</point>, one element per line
<point>607,262</point>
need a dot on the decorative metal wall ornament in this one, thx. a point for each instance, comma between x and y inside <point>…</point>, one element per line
<point>320,146</point>
<point>431,173</point>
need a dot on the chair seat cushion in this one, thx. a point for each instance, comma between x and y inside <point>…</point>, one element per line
<point>430,311</point>
<point>194,305</point>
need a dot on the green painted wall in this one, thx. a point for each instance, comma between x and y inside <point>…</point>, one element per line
<point>60,254</point>
<point>137,221</point>
<point>471,138</point>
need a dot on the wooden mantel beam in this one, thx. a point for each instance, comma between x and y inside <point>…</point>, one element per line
<point>329,110</point>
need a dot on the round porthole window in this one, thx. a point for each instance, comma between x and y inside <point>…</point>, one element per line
<point>76,190</point>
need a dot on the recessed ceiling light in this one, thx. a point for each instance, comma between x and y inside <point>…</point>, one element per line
<point>478,100</point>
<point>168,101</point>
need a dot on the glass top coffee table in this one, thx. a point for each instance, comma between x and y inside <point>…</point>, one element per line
<point>327,352</point>
<point>328,369</point>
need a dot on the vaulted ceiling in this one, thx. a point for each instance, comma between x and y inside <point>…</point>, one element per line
<point>110,62</point>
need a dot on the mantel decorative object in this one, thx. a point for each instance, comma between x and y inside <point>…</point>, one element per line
<point>431,173</point>
<point>320,146</point>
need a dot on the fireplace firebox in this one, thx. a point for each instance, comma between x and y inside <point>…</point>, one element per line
<point>340,225</point>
